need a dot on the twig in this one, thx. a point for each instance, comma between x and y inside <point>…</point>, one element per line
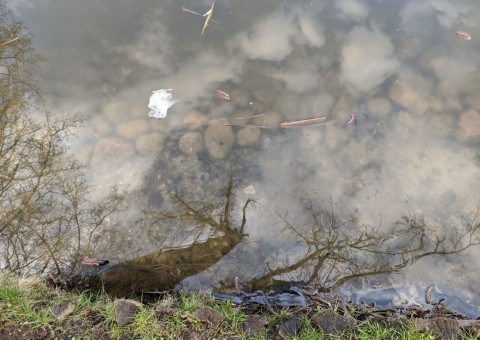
<point>282,126</point>
<point>185,9</point>
<point>290,124</point>
<point>303,121</point>
<point>209,17</point>
<point>248,117</point>
<point>8,42</point>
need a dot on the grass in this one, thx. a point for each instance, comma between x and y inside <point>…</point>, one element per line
<point>26,307</point>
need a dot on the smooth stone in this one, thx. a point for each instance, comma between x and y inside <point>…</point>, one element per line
<point>151,143</point>
<point>240,98</point>
<point>248,136</point>
<point>322,103</point>
<point>118,112</point>
<point>133,129</point>
<point>270,118</point>
<point>208,315</point>
<point>333,323</point>
<point>125,310</point>
<point>191,143</point>
<point>219,138</point>
<point>101,125</point>
<point>194,120</point>
<point>110,151</point>
<point>62,310</point>
<point>380,107</point>
<point>254,324</point>
<point>402,94</point>
<point>468,129</point>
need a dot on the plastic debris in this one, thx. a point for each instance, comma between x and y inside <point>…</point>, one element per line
<point>159,102</point>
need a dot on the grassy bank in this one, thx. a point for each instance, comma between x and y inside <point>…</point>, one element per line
<point>27,308</point>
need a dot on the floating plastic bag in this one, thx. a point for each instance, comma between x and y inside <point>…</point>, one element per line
<point>159,102</point>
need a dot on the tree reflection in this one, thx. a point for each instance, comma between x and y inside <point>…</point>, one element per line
<point>337,251</point>
<point>46,218</point>
<point>205,234</point>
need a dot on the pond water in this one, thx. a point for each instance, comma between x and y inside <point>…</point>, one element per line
<point>412,149</point>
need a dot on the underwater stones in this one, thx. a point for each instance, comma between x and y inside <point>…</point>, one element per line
<point>323,103</point>
<point>248,136</point>
<point>269,118</point>
<point>380,107</point>
<point>468,129</point>
<point>101,124</point>
<point>110,151</point>
<point>219,138</point>
<point>240,97</point>
<point>133,129</point>
<point>117,112</point>
<point>191,143</point>
<point>194,120</point>
<point>401,93</point>
<point>151,143</point>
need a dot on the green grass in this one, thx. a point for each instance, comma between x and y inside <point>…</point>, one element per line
<point>26,304</point>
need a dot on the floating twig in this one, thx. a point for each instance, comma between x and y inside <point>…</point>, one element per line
<point>290,124</point>
<point>209,17</point>
<point>303,121</point>
<point>188,10</point>
<point>8,42</point>
<point>248,117</point>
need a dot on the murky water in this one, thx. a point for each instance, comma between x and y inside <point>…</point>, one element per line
<point>400,66</point>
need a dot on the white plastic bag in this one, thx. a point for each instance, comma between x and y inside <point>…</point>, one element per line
<point>159,102</point>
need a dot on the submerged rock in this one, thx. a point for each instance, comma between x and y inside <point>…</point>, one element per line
<point>133,129</point>
<point>191,143</point>
<point>151,142</point>
<point>110,151</point>
<point>219,138</point>
<point>469,126</point>
<point>248,136</point>
<point>404,95</point>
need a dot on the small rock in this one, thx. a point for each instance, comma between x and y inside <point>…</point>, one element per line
<point>380,107</point>
<point>219,138</point>
<point>125,310</point>
<point>249,190</point>
<point>111,150</point>
<point>151,143</point>
<point>290,328</point>
<point>333,323</point>
<point>248,136</point>
<point>469,126</point>
<point>194,120</point>
<point>191,143</point>
<point>442,328</point>
<point>401,93</point>
<point>101,125</point>
<point>133,129</point>
<point>208,314</point>
<point>254,324</point>
<point>62,310</point>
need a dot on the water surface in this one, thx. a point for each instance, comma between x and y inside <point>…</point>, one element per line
<point>400,66</point>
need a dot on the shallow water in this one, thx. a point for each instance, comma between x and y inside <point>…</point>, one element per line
<point>399,65</point>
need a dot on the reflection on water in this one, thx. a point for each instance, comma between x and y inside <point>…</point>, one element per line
<point>399,65</point>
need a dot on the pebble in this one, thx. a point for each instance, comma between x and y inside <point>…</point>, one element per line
<point>194,120</point>
<point>151,143</point>
<point>111,151</point>
<point>133,129</point>
<point>469,126</point>
<point>248,136</point>
<point>401,93</point>
<point>191,143</point>
<point>219,138</point>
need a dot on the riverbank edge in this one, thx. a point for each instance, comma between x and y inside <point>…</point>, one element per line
<point>31,309</point>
